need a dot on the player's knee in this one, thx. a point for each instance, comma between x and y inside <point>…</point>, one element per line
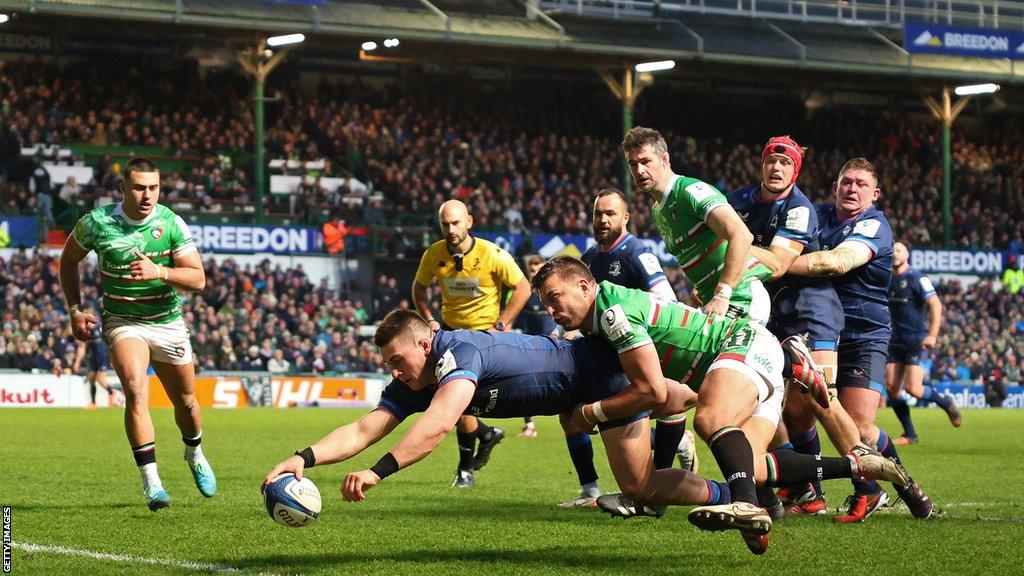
<point>706,422</point>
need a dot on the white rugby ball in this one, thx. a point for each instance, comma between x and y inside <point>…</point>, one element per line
<point>292,502</point>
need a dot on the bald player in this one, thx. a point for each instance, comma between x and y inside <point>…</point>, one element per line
<point>471,273</point>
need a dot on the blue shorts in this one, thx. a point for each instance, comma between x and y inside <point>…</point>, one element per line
<point>905,351</point>
<point>862,364</point>
<point>809,310</point>
<point>99,360</point>
<point>600,376</point>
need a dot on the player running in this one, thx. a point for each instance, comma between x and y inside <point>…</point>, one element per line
<point>910,294</point>
<point>735,365</point>
<point>145,251</point>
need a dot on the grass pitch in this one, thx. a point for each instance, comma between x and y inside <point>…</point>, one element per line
<point>78,507</point>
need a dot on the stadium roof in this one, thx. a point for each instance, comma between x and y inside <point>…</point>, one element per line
<point>573,38</point>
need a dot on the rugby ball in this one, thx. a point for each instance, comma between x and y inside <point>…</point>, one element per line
<point>292,503</point>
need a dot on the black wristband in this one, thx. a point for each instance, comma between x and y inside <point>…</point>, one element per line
<point>386,466</point>
<point>308,460</point>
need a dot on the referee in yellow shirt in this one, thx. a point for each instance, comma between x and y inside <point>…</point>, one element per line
<point>471,272</point>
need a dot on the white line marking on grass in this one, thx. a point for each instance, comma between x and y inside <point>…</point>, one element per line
<point>128,559</point>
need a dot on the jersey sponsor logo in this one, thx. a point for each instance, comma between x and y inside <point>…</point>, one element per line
<point>868,228</point>
<point>700,191</point>
<point>615,324</point>
<point>157,232</point>
<point>463,287</point>
<point>650,263</point>
<point>798,218</point>
<point>445,365</point>
<point>615,269</point>
<point>926,285</point>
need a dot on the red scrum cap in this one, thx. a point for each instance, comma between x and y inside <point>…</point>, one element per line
<point>788,147</point>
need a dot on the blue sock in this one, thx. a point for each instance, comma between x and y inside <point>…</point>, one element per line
<point>582,453</point>
<point>808,443</point>
<point>902,410</point>
<point>885,446</point>
<point>719,493</point>
<point>785,446</point>
<point>931,394</point>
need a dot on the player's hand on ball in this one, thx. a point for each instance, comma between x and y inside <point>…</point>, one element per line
<point>144,268</point>
<point>295,465</point>
<point>355,483</point>
<point>929,342</point>
<point>82,324</point>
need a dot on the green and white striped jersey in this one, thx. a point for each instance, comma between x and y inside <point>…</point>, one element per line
<point>681,218</point>
<point>161,236</point>
<point>686,340</point>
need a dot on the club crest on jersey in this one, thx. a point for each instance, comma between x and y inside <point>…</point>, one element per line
<point>615,269</point>
<point>157,232</point>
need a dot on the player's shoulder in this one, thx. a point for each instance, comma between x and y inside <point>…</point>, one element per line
<point>588,255</point>
<point>797,198</point>
<point>633,246</point>
<point>100,213</point>
<point>696,187</point>
<point>742,197</point>
<point>435,249</point>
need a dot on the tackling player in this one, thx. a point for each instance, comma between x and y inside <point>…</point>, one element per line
<point>735,365</point>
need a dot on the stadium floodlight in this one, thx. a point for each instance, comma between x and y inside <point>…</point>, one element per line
<point>285,40</point>
<point>369,46</point>
<point>391,43</point>
<point>655,66</point>
<point>4,18</point>
<point>976,89</point>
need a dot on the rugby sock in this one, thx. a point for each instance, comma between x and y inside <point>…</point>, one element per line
<point>789,467</point>
<point>92,392</point>
<point>718,493</point>
<point>735,458</point>
<point>590,489</point>
<point>581,450</point>
<point>808,443</point>
<point>666,441</point>
<point>930,393</point>
<point>193,449</point>
<point>467,446</point>
<point>886,447</point>
<point>145,459</point>
<point>484,432</point>
<point>902,410</point>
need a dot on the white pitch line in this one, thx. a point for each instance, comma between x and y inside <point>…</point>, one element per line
<point>128,559</point>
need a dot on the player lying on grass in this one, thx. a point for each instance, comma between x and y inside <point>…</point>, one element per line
<point>734,364</point>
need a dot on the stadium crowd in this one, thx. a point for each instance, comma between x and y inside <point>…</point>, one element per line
<point>432,137</point>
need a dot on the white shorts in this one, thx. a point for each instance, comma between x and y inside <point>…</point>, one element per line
<point>761,362</point>
<point>760,302</point>
<point>168,343</point>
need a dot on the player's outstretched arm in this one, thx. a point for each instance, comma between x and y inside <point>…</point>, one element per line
<point>779,257</point>
<point>422,438</point>
<point>342,443</point>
